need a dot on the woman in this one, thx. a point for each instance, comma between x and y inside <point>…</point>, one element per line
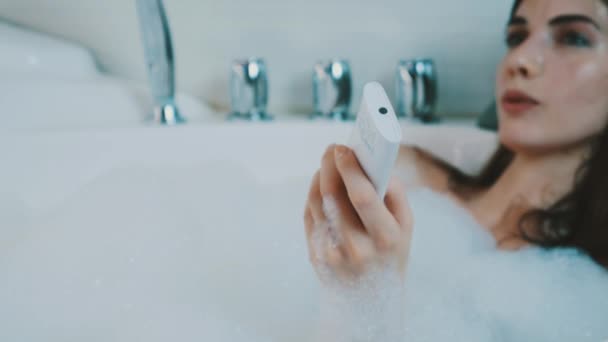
<point>546,185</point>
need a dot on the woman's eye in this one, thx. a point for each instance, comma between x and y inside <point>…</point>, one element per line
<point>515,38</point>
<point>573,38</point>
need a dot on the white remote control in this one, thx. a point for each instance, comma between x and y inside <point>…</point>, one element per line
<point>376,136</point>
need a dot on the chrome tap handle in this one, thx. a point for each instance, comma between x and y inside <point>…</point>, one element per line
<point>249,90</point>
<point>332,89</point>
<point>416,88</point>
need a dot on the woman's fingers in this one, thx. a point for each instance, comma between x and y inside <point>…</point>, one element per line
<point>376,218</point>
<point>341,216</point>
<point>314,199</point>
<point>309,222</point>
<point>347,226</point>
<point>396,203</point>
<point>321,228</point>
<point>331,189</point>
<point>331,183</point>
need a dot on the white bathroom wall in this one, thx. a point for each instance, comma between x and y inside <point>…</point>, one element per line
<point>464,37</point>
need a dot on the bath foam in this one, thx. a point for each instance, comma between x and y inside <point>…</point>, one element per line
<point>460,288</point>
<point>163,253</point>
<point>140,254</point>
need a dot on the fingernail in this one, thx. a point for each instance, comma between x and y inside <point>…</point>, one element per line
<point>339,151</point>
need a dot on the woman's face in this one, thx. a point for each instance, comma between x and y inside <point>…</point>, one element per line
<point>552,86</point>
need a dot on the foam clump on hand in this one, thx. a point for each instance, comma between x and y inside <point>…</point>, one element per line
<point>366,308</point>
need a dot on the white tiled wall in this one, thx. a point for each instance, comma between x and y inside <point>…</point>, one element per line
<point>463,36</point>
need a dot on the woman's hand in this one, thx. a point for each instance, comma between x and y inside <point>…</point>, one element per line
<point>350,230</point>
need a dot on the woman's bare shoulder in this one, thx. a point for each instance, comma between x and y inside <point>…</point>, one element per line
<point>417,167</point>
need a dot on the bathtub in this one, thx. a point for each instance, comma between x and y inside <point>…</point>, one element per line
<point>183,233</point>
<point>45,74</point>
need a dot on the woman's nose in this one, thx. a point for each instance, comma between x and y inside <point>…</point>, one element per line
<point>527,61</point>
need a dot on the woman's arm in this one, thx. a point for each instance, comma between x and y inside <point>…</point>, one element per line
<point>416,167</point>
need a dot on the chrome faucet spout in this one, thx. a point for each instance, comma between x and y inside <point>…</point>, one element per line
<point>160,64</point>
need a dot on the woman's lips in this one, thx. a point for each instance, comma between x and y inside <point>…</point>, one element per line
<point>516,102</point>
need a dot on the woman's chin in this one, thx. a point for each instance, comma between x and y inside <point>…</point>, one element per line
<point>529,147</point>
<point>520,142</point>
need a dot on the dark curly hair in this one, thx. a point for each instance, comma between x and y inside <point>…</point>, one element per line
<point>579,219</point>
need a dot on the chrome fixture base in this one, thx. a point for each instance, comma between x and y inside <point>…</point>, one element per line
<point>167,115</point>
<point>250,116</point>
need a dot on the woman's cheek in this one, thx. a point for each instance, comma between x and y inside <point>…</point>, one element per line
<point>583,91</point>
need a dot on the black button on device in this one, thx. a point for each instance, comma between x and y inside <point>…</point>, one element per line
<point>383,110</point>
